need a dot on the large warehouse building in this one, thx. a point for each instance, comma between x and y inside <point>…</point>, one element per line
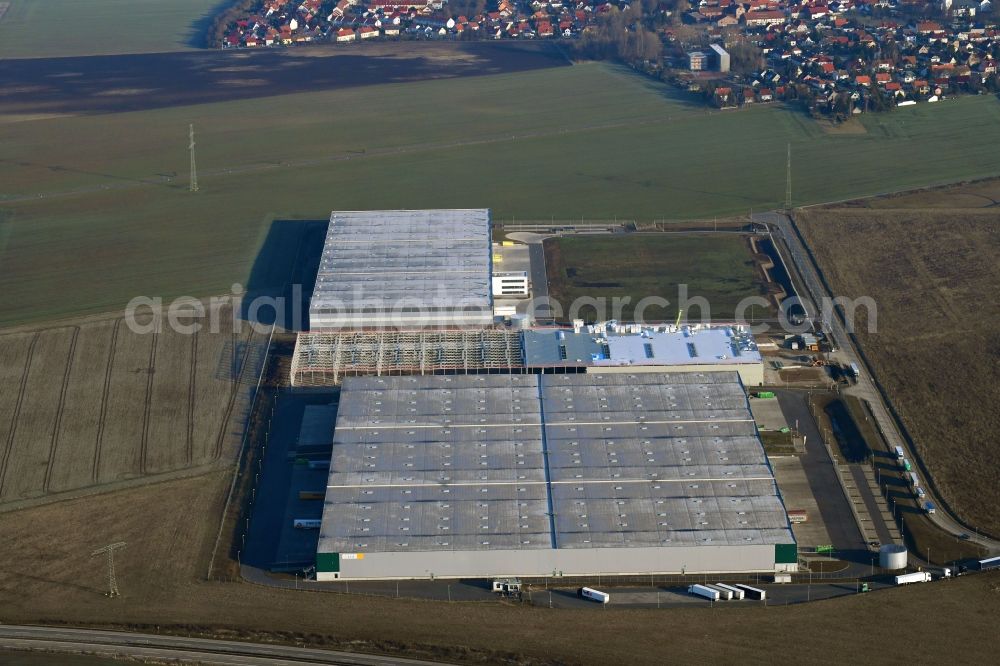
<point>524,474</point>
<point>404,269</point>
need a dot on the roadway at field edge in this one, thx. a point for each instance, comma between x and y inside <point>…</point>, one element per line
<point>202,650</point>
<point>865,387</point>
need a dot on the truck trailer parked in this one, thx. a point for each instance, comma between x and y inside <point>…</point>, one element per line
<point>899,454</point>
<point>918,577</point>
<point>724,594</point>
<point>752,592</point>
<point>307,523</point>
<point>987,564</point>
<point>594,595</point>
<point>906,465</point>
<point>705,591</point>
<point>737,593</point>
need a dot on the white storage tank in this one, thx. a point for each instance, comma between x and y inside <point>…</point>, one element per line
<point>892,556</point>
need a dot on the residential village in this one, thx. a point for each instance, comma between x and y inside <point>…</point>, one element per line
<point>287,22</point>
<point>838,57</point>
<point>843,58</point>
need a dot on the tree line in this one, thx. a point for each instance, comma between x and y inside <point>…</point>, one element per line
<point>621,35</point>
<point>220,24</point>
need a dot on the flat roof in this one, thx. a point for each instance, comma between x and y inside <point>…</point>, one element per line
<point>605,346</point>
<point>479,462</point>
<point>385,259</point>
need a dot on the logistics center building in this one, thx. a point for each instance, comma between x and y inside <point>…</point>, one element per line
<point>528,474</point>
<point>405,269</point>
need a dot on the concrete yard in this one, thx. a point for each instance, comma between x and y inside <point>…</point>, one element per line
<point>797,492</point>
<point>767,413</point>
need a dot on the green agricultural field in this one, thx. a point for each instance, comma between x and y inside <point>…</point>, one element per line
<point>714,267</point>
<point>43,28</point>
<point>590,141</point>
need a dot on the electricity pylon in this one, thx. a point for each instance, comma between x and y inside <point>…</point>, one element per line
<point>788,180</point>
<point>112,579</point>
<point>194,170</point>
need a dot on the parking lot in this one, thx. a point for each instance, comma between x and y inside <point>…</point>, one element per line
<point>273,544</point>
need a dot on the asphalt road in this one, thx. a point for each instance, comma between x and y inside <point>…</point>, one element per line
<point>200,650</point>
<point>864,388</point>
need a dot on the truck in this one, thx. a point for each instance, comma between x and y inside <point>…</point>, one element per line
<point>752,592</point>
<point>507,587</point>
<point>900,454</point>
<point>987,564</point>
<point>312,494</point>
<point>920,492</point>
<point>319,464</point>
<point>855,371</point>
<point>704,591</point>
<point>917,577</point>
<point>736,592</point>
<point>914,481</point>
<point>906,465</point>
<point>797,516</point>
<point>307,523</point>
<point>593,595</point>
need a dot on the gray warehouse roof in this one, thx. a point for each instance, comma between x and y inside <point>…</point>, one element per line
<point>724,345</point>
<point>436,260</point>
<point>466,462</point>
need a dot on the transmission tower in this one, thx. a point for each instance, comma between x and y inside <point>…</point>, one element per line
<point>112,579</point>
<point>194,170</point>
<point>788,179</point>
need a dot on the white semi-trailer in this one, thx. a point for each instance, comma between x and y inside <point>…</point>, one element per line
<point>737,593</point>
<point>918,577</point>
<point>752,592</point>
<point>900,454</point>
<point>704,591</point>
<point>724,594</point>
<point>594,595</point>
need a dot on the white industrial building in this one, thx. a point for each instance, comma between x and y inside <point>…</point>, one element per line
<point>526,475</point>
<point>511,285</point>
<point>404,269</point>
<point>613,347</point>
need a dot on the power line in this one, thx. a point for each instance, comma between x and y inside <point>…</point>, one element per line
<point>194,170</point>
<point>112,579</point>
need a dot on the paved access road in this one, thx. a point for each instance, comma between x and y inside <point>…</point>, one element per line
<point>677,597</point>
<point>865,388</point>
<point>200,650</point>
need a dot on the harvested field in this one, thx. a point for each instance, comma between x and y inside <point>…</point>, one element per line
<point>976,194</point>
<point>32,438</point>
<point>94,403</point>
<point>936,352</point>
<point>81,415</point>
<point>159,575</point>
